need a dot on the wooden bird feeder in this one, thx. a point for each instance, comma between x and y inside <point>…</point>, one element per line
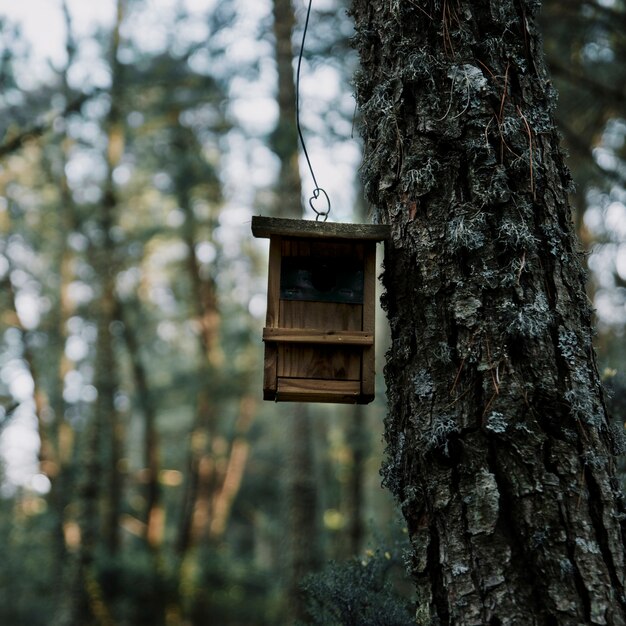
<point>319,333</point>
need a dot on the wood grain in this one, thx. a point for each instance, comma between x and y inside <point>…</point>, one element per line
<point>314,336</point>
<point>275,226</point>
<point>368,365</point>
<point>324,316</point>
<point>324,362</point>
<point>272,319</point>
<point>299,390</point>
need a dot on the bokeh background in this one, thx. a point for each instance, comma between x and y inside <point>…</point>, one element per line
<point>142,479</point>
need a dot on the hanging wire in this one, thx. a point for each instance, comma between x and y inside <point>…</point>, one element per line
<point>318,191</point>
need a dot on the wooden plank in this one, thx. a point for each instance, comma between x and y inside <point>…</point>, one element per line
<point>273,284</point>
<point>316,361</point>
<point>295,247</point>
<point>313,336</point>
<point>324,316</point>
<point>311,390</point>
<point>337,249</point>
<point>270,363</point>
<point>368,364</point>
<point>275,226</point>
<point>319,247</point>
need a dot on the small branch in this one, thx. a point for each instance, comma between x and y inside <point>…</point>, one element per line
<point>40,128</point>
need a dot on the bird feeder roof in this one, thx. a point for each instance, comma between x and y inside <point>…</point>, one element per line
<point>266,227</point>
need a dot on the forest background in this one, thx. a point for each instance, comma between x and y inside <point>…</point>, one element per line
<point>137,139</point>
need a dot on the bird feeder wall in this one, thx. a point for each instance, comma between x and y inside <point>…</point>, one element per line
<point>319,332</point>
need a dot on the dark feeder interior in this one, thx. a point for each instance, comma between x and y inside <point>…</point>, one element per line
<point>319,279</point>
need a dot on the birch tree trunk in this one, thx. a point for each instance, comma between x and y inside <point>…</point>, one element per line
<point>500,449</point>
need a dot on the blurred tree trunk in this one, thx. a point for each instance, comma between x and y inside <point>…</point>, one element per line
<point>216,464</point>
<point>105,260</point>
<point>100,449</point>
<point>499,446</point>
<point>152,516</point>
<point>358,437</point>
<point>232,469</point>
<point>284,139</point>
<point>302,500</point>
<point>62,433</point>
<point>200,482</point>
<point>358,442</point>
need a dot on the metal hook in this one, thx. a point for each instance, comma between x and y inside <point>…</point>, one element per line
<point>316,194</point>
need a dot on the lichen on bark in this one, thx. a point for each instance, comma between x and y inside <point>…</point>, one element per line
<point>499,444</point>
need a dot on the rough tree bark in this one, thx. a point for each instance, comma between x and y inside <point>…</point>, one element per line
<point>500,449</point>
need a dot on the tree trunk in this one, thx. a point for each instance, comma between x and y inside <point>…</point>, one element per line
<point>499,444</point>
<point>152,515</point>
<point>284,139</point>
<point>104,262</point>
<point>234,469</point>
<point>358,441</point>
<point>302,502</point>
<point>62,432</point>
<point>200,481</point>
<point>99,480</point>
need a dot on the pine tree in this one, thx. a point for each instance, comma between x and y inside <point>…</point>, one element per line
<point>500,449</point>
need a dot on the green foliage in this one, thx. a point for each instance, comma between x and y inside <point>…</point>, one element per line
<point>359,592</point>
<point>136,587</point>
<point>229,591</point>
<point>29,586</point>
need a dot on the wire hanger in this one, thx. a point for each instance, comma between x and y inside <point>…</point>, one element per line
<point>317,191</point>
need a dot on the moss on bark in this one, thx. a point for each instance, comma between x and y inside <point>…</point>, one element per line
<point>499,446</point>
